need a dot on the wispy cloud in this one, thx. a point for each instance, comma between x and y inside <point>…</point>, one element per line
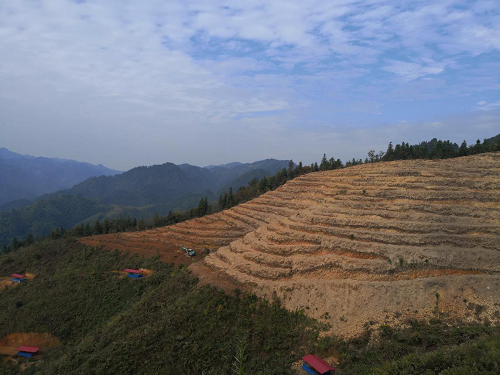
<point>485,106</point>
<point>205,66</point>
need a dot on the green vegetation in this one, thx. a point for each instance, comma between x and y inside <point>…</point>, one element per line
<point>163,323</point>
<point>435,149</point>
<point>436,347</point>
<point>138,193</point>
<point>45,215</point>
<point>167,324</point>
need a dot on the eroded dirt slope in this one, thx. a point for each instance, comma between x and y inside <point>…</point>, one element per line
<point>211,232</point>
<point>378,242</point>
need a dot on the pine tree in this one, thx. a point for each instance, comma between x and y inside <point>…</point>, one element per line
<point>225,200</point>
<point>230,198</point>
<point>107,226</point>
<point>371,156</point>
<point>201,207</point>
<point>300,168</point>
<point>263,185</point>
<point>97,227</point>
<point>156,220</point>
<point>324,165</point>
<point>290,169</point>
<point>15,244</point>
<point>389,154</point>
<point>55,234</point>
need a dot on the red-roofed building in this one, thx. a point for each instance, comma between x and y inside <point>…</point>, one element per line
<point>27,351</point>
<point>316,366</point>
<point>18,278</point>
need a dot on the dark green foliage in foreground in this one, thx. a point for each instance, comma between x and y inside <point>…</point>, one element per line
<point>74,290</point>
<point>422,348</point>
<point>180,329</point>
<point>160,324</point>
<point>166,324</point>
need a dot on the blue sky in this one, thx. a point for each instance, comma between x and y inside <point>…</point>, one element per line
<point>128,83</point>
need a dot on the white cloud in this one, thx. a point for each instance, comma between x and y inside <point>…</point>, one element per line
<point>485,106</point>
<point>410,71</point>
<point>140,67</point>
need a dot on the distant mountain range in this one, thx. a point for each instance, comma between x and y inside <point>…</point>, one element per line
<point>139,192</point>
<point>169,186</point>
<point>25,177</point>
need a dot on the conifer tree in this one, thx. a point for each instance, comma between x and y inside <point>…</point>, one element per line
<point>389,154</point>
<point>225,201</point>
<point>30,239</point>
<point>324,165</point>
<point>97,227</point>
<point>230,198</point>
<point>15,244</point>
<point>290,169</point>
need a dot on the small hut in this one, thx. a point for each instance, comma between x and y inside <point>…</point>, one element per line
<point>316,366</point>
<point>134,274</point>
<point>27,351</point>
<point>18,278</point>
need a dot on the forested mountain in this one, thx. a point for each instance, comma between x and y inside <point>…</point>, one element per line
<point>140,192</point>
<point>28,177</point>
<point>170,185</point>
<point>144,191</point>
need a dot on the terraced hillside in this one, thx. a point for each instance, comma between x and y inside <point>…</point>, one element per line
<point>378,242</point>
<point>208,232</point>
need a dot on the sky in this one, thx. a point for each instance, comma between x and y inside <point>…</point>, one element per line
<point>129,83</point>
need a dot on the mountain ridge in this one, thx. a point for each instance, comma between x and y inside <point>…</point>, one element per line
<point>29,177</point>
<point>140,192</point>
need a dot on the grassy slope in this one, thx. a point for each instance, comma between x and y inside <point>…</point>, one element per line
<point>435,347</point>
<point>161,324</point>
<point>165,324</point>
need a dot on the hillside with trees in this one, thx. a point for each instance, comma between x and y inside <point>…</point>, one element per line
<point>159,210</point>
<point>25,177</point>
<point>140,193</point>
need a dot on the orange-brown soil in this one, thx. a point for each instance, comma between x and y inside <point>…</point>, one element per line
<point>7,281</point>
<point>378,242</point>
<point>10,342</point>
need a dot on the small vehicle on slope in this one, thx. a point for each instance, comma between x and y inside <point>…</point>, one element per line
<point>186,251</point>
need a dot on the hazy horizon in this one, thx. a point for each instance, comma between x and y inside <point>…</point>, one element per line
<point>142,83</point>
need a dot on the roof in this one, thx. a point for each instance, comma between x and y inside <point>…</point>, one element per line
<point>17,275</point>
<point>129,270</point>
<point>28,349</point>
<point>318,364</point>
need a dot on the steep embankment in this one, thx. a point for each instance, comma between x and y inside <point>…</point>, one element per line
<point>378,242</point>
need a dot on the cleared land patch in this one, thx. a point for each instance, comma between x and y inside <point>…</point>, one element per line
<point>10,342</point>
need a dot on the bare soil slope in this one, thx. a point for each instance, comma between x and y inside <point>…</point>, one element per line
<point>378,242</point>
<point>209,232</point>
